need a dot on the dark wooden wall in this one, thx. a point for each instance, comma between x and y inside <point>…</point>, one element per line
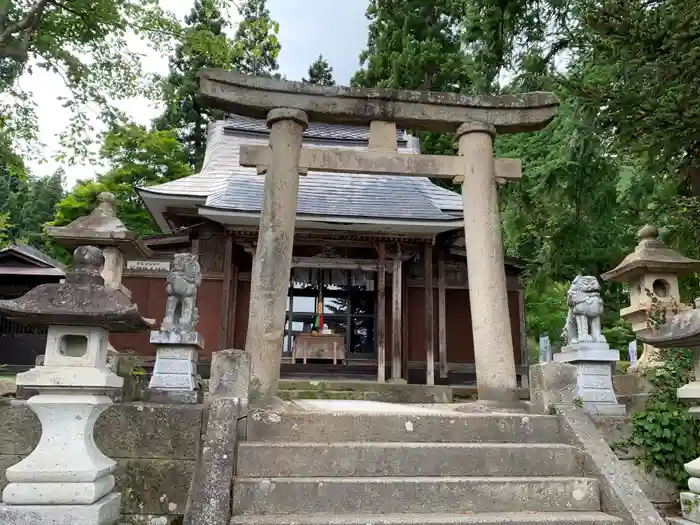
<point>148,291</point>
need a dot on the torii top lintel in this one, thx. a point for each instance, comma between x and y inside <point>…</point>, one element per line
<point>423,110</point>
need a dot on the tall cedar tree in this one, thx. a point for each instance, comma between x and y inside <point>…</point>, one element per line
<point>256,46</point>
<point>205,46</point>
<point>320,72</point>
<point>416,44</point>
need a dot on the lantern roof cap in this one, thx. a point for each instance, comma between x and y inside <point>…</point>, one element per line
<point>651,256</point>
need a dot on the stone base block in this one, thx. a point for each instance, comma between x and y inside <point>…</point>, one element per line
<point>495,407</point>
<point>173,382</point>
<point>173,337</point>
<point>552,384</point>
<point>175,368</point>
<point>58,493</point>
<point>605,409</point>
<point>103,512</point>
<point>689,392</point>
<point>587,352</point>
<point>690,504</point>
<point>184,397</point>
<point>594,384</point>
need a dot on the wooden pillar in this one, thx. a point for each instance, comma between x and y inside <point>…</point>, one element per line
<point>226,290</point>
<point>381,313</point>
<point>232,308</point>
<point>194,248</point>
<point>405,345</point>
<point>396,303</point>
<point>442,318</point>
<point>524,361</point>
<point>429,321</point>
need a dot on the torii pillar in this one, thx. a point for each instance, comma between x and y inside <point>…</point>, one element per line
<point>488,295</point>
<point>475,120</point>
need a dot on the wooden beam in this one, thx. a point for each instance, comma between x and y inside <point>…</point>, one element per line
<point>429,322</point>
<point>226,290</point>
<point>442,319</point>
<point>381,313</point>
<point>340,264</point>
<point>396,289</point>
<point>379,162</point>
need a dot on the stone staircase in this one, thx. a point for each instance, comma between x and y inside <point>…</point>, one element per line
<point>323,468</point>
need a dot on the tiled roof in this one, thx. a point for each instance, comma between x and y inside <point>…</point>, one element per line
<point>228,186</point>
<point>314,131</point>
<point>342,195</point>
<point>33,253</point>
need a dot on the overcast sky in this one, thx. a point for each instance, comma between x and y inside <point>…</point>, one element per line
<point>335,28</point>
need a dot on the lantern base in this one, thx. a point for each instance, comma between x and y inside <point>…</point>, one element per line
<point>102,512</point>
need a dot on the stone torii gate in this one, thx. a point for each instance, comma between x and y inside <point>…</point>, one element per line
<point>288,107</point>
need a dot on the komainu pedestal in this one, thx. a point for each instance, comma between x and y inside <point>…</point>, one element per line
<point>587,348</point>
<point>67,480</point>
<point>178,344</point>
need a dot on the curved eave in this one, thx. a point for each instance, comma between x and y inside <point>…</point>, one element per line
<point>23,271</point>
<point>430,111</point>
<point>157,203</point>
<point>681,330</point>
<point>358,224</point>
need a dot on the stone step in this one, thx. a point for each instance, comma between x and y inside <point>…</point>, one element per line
<point>501,518</point>
<point>329,427</point>
<point>422,495</point>
<point>406,459</point>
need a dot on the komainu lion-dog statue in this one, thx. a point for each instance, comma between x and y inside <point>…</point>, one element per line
<point>585,309</point>
<point>182,284</point>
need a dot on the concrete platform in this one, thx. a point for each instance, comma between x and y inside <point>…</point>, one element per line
<point>292,389</point>
<point>414,494</point>
<point>488,518</point>
<point>331,425</point>
<point>406,459</point>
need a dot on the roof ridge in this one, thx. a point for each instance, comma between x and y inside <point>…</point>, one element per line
<point>317,130</point>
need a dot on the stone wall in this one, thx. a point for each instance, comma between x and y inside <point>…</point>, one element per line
<point>155,447</point>
<point>662,493</point>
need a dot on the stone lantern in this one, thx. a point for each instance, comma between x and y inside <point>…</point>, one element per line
<point>67,480</point>
<point>652,272</point>
<point>102,228</point>
<point>682,330</point>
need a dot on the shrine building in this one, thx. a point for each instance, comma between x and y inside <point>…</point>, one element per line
<point>370,253</point>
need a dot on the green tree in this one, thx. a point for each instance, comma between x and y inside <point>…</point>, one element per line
<point>320,72</point>
<point>4,226</point>
<point>138,157</point>
<point>85,42</point>
<point>39,207</point>
<point>255,44</point>
<point>417,44</point>
<point>204,45</point>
